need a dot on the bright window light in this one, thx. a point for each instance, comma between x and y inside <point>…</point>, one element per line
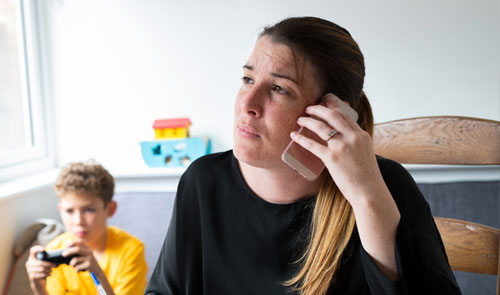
<point>24,144</point>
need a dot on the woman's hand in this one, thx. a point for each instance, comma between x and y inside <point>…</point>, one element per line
<point>348,155</point>
<point>37,270</point>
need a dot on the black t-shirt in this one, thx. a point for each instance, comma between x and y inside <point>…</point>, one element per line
<point>223,239</point>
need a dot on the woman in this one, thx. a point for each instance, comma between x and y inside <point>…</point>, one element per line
<point>246,223</point>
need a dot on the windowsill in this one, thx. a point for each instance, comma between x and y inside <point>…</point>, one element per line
<point>21,185</point>
<point>145,179</point>
<point>145,172</point>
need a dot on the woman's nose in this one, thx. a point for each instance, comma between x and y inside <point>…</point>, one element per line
<point>252,101</point>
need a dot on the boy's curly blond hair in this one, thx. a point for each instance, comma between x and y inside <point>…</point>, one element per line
<point>85,178</point>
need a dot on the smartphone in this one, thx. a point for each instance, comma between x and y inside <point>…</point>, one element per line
<point>302,160</point>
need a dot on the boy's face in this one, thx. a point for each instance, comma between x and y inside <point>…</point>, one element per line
<point>85,216</point>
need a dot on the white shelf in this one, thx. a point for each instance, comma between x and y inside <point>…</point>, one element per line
<point>144,172</point>
<point>453,173</point>
<point>146,179</point>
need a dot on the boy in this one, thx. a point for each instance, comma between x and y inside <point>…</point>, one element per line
<point>85,192</point>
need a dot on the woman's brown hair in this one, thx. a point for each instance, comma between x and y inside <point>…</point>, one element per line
<point>340,67</point>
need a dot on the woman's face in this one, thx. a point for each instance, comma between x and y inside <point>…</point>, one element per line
<point>277,86</point>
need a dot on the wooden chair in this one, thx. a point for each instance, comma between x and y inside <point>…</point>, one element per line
<point>470,247</point>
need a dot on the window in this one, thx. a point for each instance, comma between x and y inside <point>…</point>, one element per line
<point>24,145</point>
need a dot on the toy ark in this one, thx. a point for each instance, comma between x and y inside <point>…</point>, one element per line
<point>172,146</point>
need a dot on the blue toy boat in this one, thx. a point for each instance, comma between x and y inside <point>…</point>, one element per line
<point>174,152</point>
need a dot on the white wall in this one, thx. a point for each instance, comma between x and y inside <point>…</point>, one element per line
<point>116,65</point>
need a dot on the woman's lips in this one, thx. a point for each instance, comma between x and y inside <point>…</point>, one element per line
<point>247,132</point>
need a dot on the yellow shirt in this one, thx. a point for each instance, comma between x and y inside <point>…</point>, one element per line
<point>123,262</point>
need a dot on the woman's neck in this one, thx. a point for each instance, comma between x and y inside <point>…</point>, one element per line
<point>280,185</point>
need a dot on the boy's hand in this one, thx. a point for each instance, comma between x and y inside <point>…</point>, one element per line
<point>38,270</point>
<point>84,260</point>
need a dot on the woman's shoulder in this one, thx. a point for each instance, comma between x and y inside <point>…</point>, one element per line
<point>394,171</point>
<point>403,188</point>
<point>389,165</point>
<point>211,161</point>
<point>209,166</point>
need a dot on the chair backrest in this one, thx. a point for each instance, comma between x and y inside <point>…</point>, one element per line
<point>470,247</point>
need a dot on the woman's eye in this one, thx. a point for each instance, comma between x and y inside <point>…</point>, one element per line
<point>247,80</point>
<point>280,90</point>
<point>69,211</point>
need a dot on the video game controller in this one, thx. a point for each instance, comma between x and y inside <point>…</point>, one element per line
<point>54,257</point>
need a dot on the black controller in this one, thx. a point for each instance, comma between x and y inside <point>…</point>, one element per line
<point>54,257</point>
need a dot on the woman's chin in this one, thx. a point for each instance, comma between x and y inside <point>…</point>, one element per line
<point>255,158</point>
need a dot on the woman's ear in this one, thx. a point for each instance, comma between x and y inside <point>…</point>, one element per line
<point>112,205</point>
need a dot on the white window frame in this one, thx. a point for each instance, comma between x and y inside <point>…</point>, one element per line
<point>39,155</point>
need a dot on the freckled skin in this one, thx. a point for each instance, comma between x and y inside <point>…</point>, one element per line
<point>268,104</point>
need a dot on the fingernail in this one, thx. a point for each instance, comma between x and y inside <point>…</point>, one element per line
<point>332,98</point>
